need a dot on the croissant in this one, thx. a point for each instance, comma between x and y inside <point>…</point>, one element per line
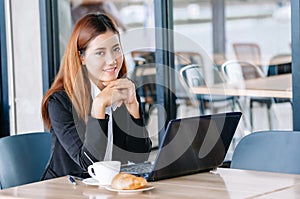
<point>125,181</point>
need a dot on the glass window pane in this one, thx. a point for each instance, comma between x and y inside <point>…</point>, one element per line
<point>256,33</point>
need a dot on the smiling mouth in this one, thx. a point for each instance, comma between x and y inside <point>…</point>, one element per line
<point>110,69</point>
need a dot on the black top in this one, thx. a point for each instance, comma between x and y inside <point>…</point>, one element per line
<point>71,137</point>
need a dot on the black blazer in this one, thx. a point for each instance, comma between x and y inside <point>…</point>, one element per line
<point>71,137</point>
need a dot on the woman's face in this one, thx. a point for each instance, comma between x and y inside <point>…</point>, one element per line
<point>103,58</point>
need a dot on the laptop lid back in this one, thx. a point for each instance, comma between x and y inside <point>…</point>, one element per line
<point>194,144</point>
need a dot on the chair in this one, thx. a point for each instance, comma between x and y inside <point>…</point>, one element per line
<point>23,158</point>
<point>273,151</point>
<point>193,76</point>
<point>144,76</point>
<point>248,52</point>
<point>236,70</point>
<point>183,58</point>
<point>280,64</point>
<point>143,56</point>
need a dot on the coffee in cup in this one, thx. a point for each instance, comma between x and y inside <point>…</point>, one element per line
<point>104,171</point>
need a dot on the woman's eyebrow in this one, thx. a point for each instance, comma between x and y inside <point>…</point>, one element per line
<point>101,48</point>
<point>104,48</point>
<point>116,45</point>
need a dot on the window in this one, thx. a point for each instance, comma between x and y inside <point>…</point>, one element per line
<point>199,37</point>
<point>254,31</point>
<point>4,106</point>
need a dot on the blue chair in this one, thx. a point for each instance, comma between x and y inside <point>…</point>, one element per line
<point>23,158</point>
<point>273,151</point>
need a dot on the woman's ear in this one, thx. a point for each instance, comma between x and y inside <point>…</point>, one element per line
<point>81,55</point>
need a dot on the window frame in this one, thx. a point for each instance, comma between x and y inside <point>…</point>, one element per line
<point>49,41</point>
<point>295,26</point>
<point>4,97</point>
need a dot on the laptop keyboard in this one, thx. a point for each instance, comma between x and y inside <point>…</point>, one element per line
<point>139,168</point>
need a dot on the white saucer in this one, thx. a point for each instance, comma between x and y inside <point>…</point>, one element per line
<point>147,188</point>
<point>91,181</point>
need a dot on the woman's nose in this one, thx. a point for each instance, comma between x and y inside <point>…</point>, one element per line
<point>110,59</point>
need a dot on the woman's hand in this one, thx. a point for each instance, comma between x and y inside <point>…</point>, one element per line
<point>118,91</point>
<point>127,88</point>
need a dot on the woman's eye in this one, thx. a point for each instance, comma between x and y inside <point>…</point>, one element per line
<point>100,53</point>
<point>117,49</point>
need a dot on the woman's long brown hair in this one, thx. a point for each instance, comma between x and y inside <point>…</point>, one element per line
<point>72,76</point>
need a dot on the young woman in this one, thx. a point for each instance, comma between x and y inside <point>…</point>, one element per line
<point>92,109</point>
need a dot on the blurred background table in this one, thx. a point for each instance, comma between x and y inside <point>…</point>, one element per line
<point>279,86</point>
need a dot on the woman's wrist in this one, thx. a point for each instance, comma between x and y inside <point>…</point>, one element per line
<point>133,109</point>
<point>98,111</point>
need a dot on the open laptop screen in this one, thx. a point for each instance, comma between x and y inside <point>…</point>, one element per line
<point>194,144</point>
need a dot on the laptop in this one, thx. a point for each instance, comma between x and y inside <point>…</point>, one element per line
<point>190,145</point>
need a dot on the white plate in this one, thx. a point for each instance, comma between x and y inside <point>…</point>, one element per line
<point>147,188</point>
<point>91,181</point>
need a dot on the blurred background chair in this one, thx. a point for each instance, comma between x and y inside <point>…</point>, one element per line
<point>183,58</point>
<point>238,71</point>
<point>248,52</point>
<point>23,158</point>
<point>193,76</point>
<point>273,151</point>
<point>144,76</point>
<point>280,64</point>
<point>183,95</point>
<point>143,56</point>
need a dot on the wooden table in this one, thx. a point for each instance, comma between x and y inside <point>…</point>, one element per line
<point>222,183</point>
<point>279,86</point>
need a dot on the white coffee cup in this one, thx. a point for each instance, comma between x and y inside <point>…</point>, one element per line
<point>104,171</point>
